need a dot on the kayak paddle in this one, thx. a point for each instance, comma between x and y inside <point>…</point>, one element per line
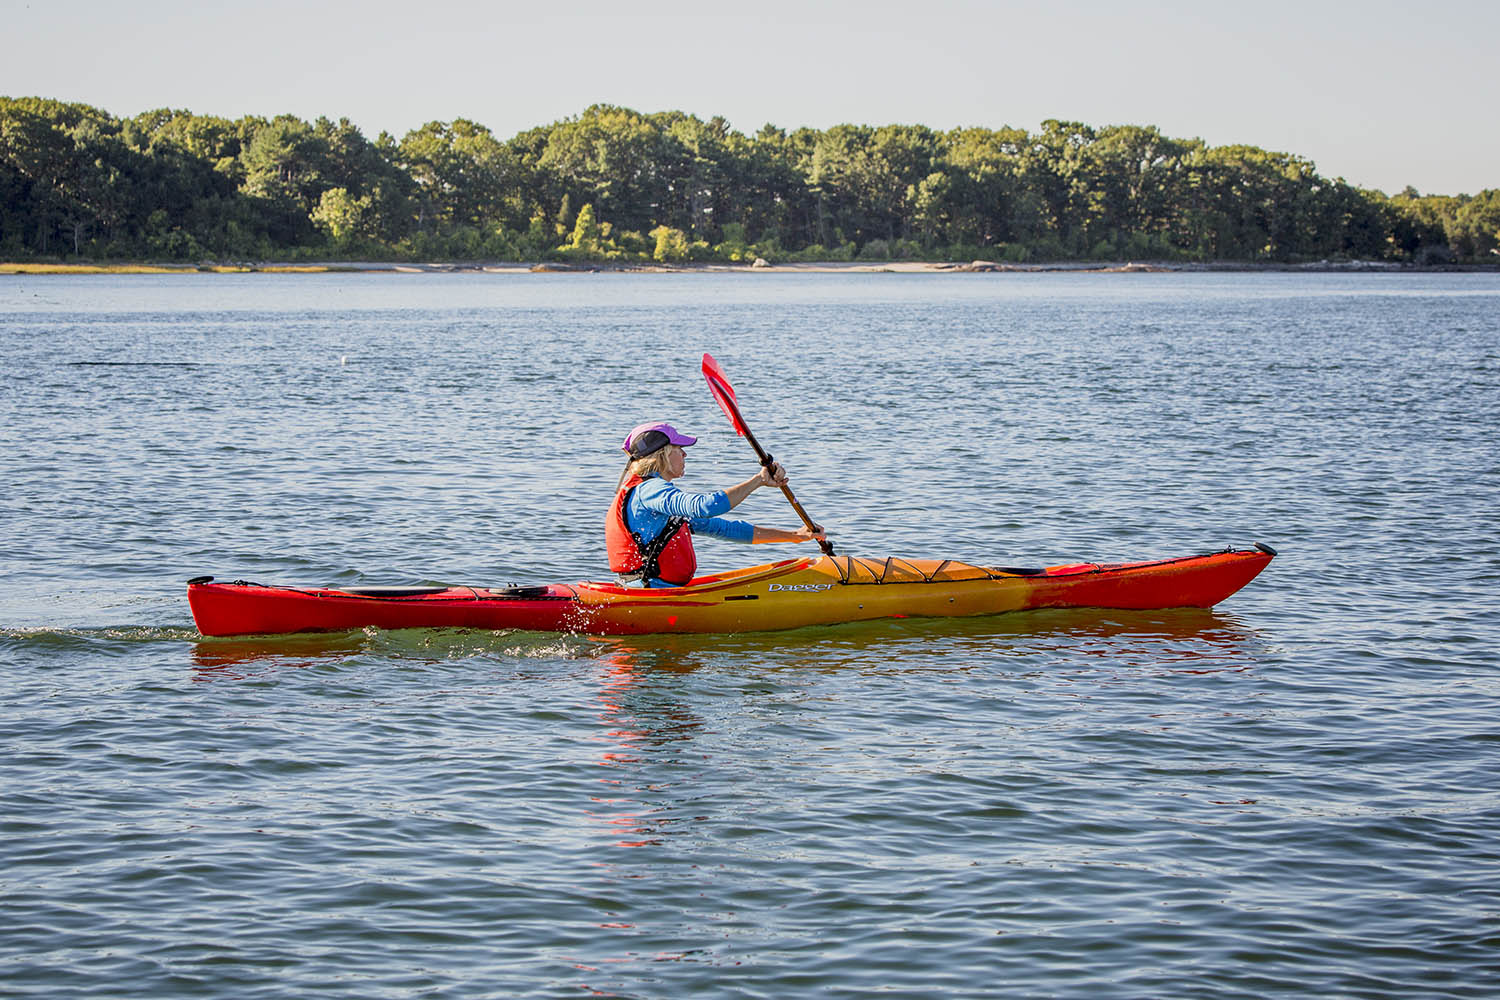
<point>723,392</point>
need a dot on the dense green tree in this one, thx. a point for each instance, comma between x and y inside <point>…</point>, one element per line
<point>1056,167</point>
<point>988,202</point>
<point>1477,225</point>
<point>345,218</point>
<point>1132,175</point>
<point>610,157</point>
<point>691,169</point>
<point>38,148</point>
<point>671,245</point>
<point>777,206</point>
<point>587,238</point>
<point>463,177</point>
<point>285,163</point>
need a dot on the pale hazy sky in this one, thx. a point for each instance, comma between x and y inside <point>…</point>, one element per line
<point>1380,93</point>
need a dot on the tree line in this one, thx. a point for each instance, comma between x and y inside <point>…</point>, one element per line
<point>612,184</point>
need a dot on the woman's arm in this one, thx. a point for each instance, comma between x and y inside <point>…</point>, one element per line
<point>754,534</point>
<point>773,476</point>
<point>762,536</point>
<point>667,500</point>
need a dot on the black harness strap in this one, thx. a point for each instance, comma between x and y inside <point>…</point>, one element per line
<point>651,554</point>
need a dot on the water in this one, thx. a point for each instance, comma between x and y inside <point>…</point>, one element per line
<point>1291,795</point>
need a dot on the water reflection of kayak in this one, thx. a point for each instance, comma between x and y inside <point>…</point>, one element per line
<point>812,591</point>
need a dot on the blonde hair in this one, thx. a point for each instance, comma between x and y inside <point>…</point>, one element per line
<point>652,464</point>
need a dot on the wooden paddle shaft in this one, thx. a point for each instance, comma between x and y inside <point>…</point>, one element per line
<point>767,461</point>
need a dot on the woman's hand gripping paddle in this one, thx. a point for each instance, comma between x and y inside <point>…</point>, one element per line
<point>723,392</point>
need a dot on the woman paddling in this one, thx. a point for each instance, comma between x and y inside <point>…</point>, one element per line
<point>649,531</point>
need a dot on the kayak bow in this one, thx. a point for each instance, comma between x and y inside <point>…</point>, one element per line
<point>820,590</point>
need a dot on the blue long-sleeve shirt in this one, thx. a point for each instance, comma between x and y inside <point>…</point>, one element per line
<point>655,501</point>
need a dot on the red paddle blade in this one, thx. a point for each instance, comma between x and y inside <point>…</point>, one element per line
<point>723,392</point>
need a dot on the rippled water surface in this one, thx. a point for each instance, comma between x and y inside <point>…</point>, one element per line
<point>1291,795</point>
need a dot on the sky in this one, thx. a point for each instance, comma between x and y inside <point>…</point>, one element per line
<point>1372,91</point>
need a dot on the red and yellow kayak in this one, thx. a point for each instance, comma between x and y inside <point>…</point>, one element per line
<point>821,590</point>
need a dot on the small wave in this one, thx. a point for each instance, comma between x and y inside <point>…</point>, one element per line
<point>135,364</point>
<point>433,645</point>
<point>94,638</point>
<point>451,644</point>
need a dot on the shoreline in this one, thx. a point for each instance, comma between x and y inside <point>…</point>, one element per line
<point>760,267</point>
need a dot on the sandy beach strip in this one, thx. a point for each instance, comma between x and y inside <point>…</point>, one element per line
<point>760,267</point>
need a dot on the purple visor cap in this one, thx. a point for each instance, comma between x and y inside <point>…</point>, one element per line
<point>649,438</point>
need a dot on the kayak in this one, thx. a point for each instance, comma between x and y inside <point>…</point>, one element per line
<point>819,590</point>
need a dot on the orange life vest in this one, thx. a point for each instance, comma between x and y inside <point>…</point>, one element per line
<point>669,556</point>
